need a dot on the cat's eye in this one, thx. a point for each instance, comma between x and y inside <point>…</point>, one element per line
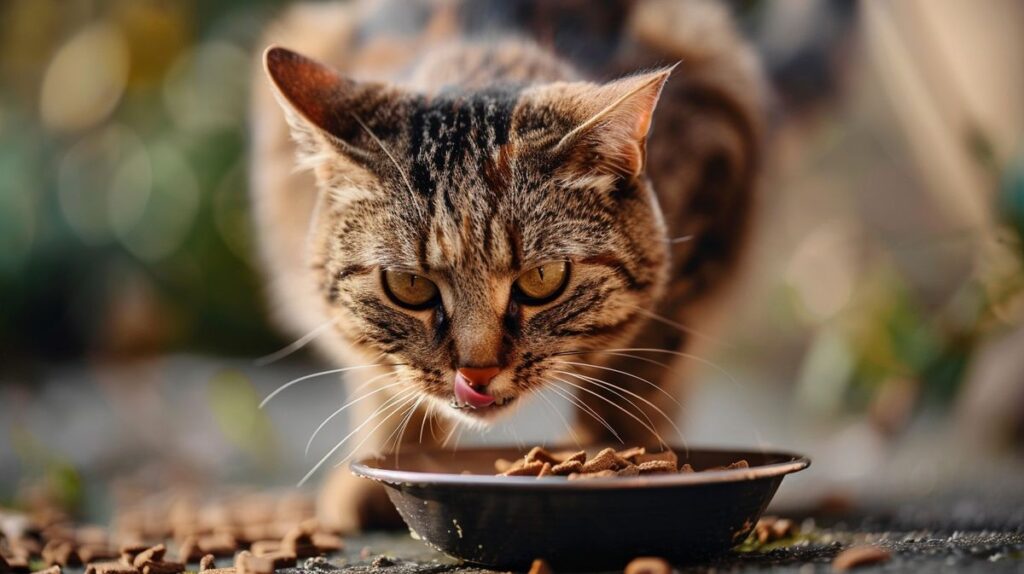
<point>542,283</point>
<point>410,290</point>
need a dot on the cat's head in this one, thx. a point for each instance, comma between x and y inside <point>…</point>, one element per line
<point>477,238</point>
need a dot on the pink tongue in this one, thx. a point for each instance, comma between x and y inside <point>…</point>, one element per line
<point>465,393</point>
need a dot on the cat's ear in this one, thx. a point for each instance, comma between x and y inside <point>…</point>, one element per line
<point>324,109</point>
<point>613,120</point>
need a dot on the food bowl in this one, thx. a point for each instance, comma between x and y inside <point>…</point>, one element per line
<point>507,521</point>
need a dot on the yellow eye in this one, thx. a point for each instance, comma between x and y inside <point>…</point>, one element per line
<point>409,290</point>
<point>543,283</point>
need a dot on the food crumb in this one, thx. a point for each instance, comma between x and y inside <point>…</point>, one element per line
<point>857,556</point>
<point>539,566</point>
<point>648,565</point>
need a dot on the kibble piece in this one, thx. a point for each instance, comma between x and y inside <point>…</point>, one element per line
<point>162,567</point>
<point>686,469</point>
<point>327,543</point>
<point>528,469</point>
<point>130,551</point>
<point>502,466</point>
<point>247,563</point>
<point>545,470</point>
<point>630,454</point>
<point>782,528</point>
<point>189,551</point>
<point>539,566</point>
<point>60,552</point>
<point>568,455</point>
<point>222,544</point>
<point>648,565</point>
<point>111,567</point>
<point>17,565</point>
<point>261,547</point>
<point>96,552</point>
<point>666,455</point>
<point>656,467</point>
<point>566,468</point>
<point>857,556</point>
<point>299,541</point>
<point>206,563</point>
<point>151,554</point>
<point>539,454</point>
<point>51,570</point>
<point>604,460</point>
<point>629,470</point>
<point>742,463</point>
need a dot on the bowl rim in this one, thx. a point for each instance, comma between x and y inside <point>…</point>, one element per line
<point>795,463</point>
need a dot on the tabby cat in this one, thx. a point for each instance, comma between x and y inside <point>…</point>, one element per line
<point>493,195</point>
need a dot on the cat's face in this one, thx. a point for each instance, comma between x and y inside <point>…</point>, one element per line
<point>476,238</point>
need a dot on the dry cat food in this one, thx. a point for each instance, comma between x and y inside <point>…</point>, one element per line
<point>607,463</point>
<point>772,528</point>
<point>279,530</point>
<point>857,556</point>
<point>648,565</point>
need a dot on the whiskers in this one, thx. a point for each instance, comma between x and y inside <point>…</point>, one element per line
<point>293,382</point>
<point>294,345</point>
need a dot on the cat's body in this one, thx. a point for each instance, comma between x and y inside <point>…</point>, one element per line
<point>473,153</point>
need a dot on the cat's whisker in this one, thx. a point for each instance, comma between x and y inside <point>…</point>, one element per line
<point>455,426</point>
<point>403,427</point>
<point>621,372</point>
<point>690,356</point>
<point>426,415</point>
<point>396,400</point>
<point>578,403</point>
<point>355,449</point>
<point>292,382</point>
<point>649,426</point>
<point>553,408</point>
<point>615,390</point>
<point>294,345</point>
<point>683,239</point>
<point>387,152</point>
<point>677,325</point>
<point>342,409</point>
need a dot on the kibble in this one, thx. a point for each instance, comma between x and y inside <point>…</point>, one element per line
<point>648,565</point>
<point>539,566</point>
<point>607,463</point>
<point>857,556</point>
<point>206,563</point>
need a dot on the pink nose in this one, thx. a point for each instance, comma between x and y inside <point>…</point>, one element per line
<point>479,377</point>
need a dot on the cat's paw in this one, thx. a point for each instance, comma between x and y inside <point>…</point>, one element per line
<point>348,503</point>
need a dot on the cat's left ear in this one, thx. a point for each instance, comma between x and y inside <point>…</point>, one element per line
<point>325,109</point>
<point>613,120</point>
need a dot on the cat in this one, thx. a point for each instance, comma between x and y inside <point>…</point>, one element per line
<point>483,198</point>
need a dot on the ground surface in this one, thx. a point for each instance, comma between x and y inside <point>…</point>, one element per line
<point>913,551</point>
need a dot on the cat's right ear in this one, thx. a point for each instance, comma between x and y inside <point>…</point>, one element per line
<point>325,110</point>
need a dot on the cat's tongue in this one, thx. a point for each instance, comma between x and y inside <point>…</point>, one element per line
<point>465,393</point>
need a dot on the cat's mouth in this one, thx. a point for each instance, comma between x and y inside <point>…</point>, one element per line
<point>465,407</point>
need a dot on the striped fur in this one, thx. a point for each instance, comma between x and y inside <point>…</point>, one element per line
<point>473,148</point>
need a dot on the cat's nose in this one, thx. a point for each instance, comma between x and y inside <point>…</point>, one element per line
<point>479,377</point>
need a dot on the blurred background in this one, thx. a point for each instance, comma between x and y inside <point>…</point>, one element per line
<point>879,328</point>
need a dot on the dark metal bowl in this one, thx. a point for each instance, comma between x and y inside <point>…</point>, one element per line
<point>506,522</point>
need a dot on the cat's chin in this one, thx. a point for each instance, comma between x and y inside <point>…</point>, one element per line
<point>482,416</point>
